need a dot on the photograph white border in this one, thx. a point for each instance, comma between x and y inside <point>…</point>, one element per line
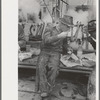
<point>9,70</point>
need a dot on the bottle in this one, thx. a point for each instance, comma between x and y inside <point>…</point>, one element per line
<point>80,51</point>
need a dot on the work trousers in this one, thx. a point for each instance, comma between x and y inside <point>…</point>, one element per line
<point>47,71</point>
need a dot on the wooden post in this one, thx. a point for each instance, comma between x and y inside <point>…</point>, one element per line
<point>56,10</point>
<point>59,8</point>
<point>66,6</point>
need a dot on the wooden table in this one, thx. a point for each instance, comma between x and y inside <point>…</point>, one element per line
<point>63,68</point>
<point>76,69</point>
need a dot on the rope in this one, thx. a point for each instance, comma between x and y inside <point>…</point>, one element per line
<point>65,2</point>
<point>48,10</point>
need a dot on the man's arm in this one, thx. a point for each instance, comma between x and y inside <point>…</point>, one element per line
<point>48,38</point>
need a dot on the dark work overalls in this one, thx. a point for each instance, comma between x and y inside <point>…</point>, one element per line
<point>48,61</point>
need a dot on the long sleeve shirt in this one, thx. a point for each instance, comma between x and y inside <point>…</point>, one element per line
<point>51,42</point>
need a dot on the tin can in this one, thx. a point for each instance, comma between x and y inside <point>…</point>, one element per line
<point>28,48</point>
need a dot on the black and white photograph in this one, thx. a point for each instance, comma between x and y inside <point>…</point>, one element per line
<point>57,49</point>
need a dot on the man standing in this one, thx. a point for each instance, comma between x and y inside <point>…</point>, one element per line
<point>49,58</point>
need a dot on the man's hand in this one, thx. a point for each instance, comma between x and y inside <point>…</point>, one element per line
<point>63,35</point>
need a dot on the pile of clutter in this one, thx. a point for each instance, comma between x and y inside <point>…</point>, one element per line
<point>68,91</point>
<point>72,60</point>
<point>26,55</point>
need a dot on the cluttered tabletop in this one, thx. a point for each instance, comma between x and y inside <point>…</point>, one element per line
<point>68,63</point>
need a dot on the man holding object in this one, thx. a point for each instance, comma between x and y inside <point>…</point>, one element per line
<point>49,58</point>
